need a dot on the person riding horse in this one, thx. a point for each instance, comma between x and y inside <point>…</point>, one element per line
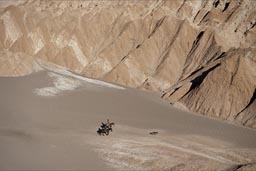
<point>105,128</point>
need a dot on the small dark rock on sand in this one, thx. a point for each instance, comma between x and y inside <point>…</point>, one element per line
<point>153,133</point>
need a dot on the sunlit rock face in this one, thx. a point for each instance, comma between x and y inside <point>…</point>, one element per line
<point>200,54</point>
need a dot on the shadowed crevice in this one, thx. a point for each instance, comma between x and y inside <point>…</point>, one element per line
<point>253,98</point>
<point>216,3</point>
<point>226,6</point>
<point>158,24</point>
<point>198,38</point>
<point>223,54</point>
<point>192,50</point>
<point>205,17</point>
<point>198,80</point>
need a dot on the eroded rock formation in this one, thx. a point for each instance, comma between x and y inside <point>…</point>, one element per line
<point>201,54</point>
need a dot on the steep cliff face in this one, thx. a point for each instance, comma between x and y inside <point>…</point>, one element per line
<point>201,54</point>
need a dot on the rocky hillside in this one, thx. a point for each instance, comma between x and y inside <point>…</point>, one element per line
<point>200,54</point>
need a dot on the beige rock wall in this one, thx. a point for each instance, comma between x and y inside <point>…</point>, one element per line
<point>201,54</point>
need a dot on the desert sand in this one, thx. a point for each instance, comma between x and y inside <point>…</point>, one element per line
<point>48,121</point>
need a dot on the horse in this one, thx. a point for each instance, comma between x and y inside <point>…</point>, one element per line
<point>105,128</point>
<point>103,132</point>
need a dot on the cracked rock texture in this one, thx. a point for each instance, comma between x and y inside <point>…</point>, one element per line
<point>200,54</point>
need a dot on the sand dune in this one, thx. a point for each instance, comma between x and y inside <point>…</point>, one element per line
<point>59,131</point>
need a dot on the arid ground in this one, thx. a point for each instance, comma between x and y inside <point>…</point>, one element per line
<point>49,121</point>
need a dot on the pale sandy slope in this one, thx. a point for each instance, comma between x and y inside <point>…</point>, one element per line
<point>49,121</point>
